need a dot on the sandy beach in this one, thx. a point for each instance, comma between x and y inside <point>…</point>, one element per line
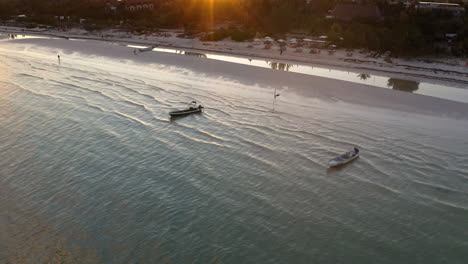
<point>438,69</point>
<point>323,88</point>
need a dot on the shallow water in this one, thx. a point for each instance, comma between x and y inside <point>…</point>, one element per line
<point>454,91</point>
<point>92,170</point>
<point>451,91</point>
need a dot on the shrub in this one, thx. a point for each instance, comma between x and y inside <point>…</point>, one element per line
<point>92,27</point>
<point>234,33</point>
<point>238,35</point>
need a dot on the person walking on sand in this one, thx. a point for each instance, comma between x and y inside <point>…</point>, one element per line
<point>58,56</point>
<point>282,48</point>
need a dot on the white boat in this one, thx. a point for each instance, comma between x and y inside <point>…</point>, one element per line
<point>344,158</point>
<point>147,48</point>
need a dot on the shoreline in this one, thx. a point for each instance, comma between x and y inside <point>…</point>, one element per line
<point>292,84</point>
<point>440,73</point>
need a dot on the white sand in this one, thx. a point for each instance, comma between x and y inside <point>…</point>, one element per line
<point>443,69</point>
<point>304,85</point>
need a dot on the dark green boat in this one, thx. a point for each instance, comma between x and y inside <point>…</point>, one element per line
<point>192,109</point>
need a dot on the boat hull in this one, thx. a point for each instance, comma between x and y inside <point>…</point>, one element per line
<point>335,163</point>
<point>146,49</point>
<point>184,112</point>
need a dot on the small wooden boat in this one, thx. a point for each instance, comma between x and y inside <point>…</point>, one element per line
<point>344,158</point>
<point>192,109</point>
<point>185,112</point>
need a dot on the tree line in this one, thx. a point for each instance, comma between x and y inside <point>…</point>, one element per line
<point>405,32</point>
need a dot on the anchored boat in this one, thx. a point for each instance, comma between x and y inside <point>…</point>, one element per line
<point>344,158</point>
<point>192,108</point>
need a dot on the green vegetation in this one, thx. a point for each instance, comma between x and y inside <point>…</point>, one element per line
<point>232,32</point>
<point>403,31</point>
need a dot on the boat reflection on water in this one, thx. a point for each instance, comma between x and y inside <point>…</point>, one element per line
<point>403,85</point>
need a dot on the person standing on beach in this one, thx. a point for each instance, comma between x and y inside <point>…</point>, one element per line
<point>282,48</point>
<point>58,56</point>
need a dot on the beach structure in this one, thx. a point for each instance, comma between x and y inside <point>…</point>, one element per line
<point>455,9</point>
<point>138,5</point>
<point>293,42</point>
<point>267,40</point>
<point>315,43</point>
